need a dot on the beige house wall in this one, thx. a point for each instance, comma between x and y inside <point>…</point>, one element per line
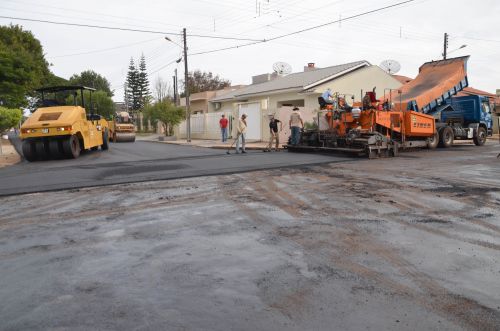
<point>363,79</point>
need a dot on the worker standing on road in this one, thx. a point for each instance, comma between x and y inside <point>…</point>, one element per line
<point>274,134</point>
<point>242,129</point>
<point>223,127</point>
<point>296,124</point>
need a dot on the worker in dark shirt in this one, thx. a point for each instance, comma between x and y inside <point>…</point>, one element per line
<point>274,133</point>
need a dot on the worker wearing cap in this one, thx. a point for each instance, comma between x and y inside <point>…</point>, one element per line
<point>296,124</point>
<point>274,134</point>
<point>242,129</point>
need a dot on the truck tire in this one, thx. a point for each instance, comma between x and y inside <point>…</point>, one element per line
<point>433,141</point>
<point>105,141</point>
<point>480,137</point>
<point>42,150</point>
<point>71,147</point>
<point>446,137</point>
<point>55,148</point>
<point>29,152</point>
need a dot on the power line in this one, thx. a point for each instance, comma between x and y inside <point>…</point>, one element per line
<point>480,39</point>
<point>342,19</point>
<point>127,29</point>
<point>149,73</point>
<point>308,29</point>
<point>129,19</point>
<point>102,50</point>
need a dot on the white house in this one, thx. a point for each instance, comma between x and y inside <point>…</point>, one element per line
<point>277,95</point>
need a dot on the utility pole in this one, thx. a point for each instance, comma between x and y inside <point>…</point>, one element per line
<point>445,46</point>
<point>176,93</point>
<point>186,89</point>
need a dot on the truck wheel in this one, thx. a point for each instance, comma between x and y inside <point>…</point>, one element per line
<point>42,150</point>
<point>446,137</point>
<point>71,147</point>
<point>105,141</point>
<point>55,148</point>
<point>433,141</point>
<point>29,151</point>
<point>480,137</point>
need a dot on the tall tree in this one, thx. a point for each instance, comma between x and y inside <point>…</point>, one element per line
<point>199,81</point>
<point>132,86</point>
<point>92,79</point>
<point>143,83</point>
<point>126,96</point>
<point>22,66</point>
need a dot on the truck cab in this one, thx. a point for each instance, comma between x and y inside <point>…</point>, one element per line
<point>470,110</point>
<point>466,117</point>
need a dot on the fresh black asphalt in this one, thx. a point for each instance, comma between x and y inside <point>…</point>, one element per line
<point>143,161</point>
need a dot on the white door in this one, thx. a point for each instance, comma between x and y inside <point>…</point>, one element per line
<point>253,120</point>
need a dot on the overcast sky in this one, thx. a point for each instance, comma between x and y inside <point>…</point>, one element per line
<point>411,34</point>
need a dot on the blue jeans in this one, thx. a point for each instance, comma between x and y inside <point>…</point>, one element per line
<point>295,135</point>
<point>224,134</point>
<point>241,139</point>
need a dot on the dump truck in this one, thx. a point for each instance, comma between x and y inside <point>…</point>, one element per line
<point>434,91</point>
<point>402,119</point>
<point>58,130</point>
<point>121,128</point>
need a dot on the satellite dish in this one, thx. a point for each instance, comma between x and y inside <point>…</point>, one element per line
<point>390,66</point>
<point>282,68</point>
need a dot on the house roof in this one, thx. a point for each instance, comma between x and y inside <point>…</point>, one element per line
<point>402,79</point>
<point>471,90</point>
<point>295,81</point>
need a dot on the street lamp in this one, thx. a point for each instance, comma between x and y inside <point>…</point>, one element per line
<point>168,39</point>
<point>463,46</point>
<point>186,88</point>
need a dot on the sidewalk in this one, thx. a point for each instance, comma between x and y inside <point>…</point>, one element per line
<point>9,156</point>
<point>217,144</point>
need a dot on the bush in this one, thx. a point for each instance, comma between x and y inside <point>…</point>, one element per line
<point>9,118</point>
<point>165,113</point>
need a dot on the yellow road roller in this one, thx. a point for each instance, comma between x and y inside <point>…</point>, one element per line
<point>122,128</point>
<point>57,130</point>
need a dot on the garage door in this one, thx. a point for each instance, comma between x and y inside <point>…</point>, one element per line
<point>253,119</point>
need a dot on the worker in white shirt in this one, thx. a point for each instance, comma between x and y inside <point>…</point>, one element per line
<point>296,124</point>
<point>242,129</point>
